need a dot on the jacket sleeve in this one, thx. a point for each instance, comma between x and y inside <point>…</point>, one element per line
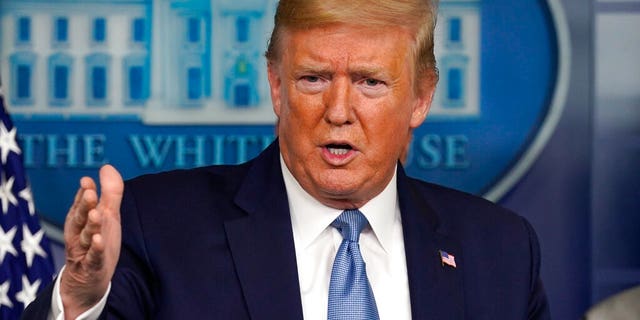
<point>538,307</point>
<point>133,282</point>
<point>40,307</point>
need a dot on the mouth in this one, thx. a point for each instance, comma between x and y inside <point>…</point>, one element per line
<point>339,154</point>
<point>338,149</point>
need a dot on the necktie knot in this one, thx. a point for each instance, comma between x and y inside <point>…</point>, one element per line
<point>350,223</point>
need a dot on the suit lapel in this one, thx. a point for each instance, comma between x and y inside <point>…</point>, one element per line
<point>262,244</point>
<point>436,289</point>
<point>266,262</point>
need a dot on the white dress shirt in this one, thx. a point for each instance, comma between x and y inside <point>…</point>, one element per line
<point>381,244</point>
<point>316,243</point>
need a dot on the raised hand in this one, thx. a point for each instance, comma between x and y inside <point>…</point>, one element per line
<point>92,236</point>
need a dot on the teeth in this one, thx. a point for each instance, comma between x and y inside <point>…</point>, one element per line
<point>338,151</point>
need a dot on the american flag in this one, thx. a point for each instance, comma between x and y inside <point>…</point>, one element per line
<point>447,259</point>
<point>26,265</point>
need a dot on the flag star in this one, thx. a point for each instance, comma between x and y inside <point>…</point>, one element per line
<point>6,243</point>
<point>6,194</point>
<point>4,295</point>
<point>7,142</point>
<point>30,244</point>
<point>28,197</point>
<point>29,291</point>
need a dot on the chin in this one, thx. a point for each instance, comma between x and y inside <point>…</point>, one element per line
<point>339,189</point>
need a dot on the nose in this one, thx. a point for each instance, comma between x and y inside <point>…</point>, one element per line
<point>338,103</point>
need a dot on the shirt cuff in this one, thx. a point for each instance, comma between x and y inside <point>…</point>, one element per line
<point>57,309</point>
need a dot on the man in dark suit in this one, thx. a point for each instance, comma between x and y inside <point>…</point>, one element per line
<point>287,235</point>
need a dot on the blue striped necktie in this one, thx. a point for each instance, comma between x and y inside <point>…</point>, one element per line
<point>350,295</point>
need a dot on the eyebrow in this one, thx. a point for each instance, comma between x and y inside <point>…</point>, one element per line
<point>307,68</point>
<point>326,69</point>
<point>366,71</point>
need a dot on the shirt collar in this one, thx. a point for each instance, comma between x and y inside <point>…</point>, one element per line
<point>309,217</point>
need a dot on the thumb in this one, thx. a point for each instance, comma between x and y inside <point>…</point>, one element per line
<point>112,187</point>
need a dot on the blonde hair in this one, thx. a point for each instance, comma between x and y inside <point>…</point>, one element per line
<point>418,16</point>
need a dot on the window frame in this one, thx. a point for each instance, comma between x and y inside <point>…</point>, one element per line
<point>94,30</point>
<point>19,41</point>
<point>246,32</point>
<point>16,61</point>
<point>458,43</point>
<point>91,62</point>
<point>450,62</point>
<point>130,62</point>
<point>54,62</point>
<point>55,40</point>
<point>138,22</point>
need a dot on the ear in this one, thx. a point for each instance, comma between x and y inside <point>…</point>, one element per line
<point>275,82</point>
<point>427,88</point>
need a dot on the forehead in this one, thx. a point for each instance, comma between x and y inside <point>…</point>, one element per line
<point>347,44</point>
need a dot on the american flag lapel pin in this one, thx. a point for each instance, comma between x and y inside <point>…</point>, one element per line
<point>447,258</point>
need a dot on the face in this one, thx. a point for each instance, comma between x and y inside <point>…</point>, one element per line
<point>346,102</point>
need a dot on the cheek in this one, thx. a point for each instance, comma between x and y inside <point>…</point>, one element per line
<point>387,132</point>
<point>290,107</point>
<point>305,110</point>
<point>387,119</point>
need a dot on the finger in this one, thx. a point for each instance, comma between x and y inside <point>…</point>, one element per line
<point>74,206</point>
<point>92,227</point>
<point>111,187</point>
<point>85,183</point>
<point>95,254</point>
<point>78,217</point>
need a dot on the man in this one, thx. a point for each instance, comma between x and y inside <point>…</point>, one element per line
<point>350,81</point>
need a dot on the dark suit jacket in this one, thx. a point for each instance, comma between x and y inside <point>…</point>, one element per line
<point>217,243</point>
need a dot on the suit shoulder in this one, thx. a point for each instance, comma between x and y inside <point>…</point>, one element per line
<point>451,198</point>
<point>458,209</point>
<point>219,177</point>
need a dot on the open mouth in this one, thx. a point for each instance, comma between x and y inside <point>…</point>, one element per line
<point>339,149</point>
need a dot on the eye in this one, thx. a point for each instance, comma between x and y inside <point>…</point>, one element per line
<point>311,84</point>
<point>372,87</point>
<point>372,82</point>
<point>311,79</point>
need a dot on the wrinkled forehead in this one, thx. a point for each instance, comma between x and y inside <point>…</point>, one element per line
<point>357,33</point>
<point>348,44</point>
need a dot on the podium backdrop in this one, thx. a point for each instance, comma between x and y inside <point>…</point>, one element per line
<point>538,108</point>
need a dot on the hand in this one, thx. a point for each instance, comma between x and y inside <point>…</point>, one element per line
<point>92,236</point>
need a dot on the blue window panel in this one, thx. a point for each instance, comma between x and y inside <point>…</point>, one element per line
<point>99,30</point>
<point>60,79</point>
<point>455,30</point>
<point>136,79</point>
<point>22,74</point>
<point>454,85</point>
<point>138,30</point>
<point>241,94</point>
<point>99,83</point>
<point>194,30</point>
<point>61,82</point>
<point>97,75</point>
<point>194,83</point>
<point>62,28</point>
<point>242,29</point>
<point>24,82</point>
<point>24,29</point>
